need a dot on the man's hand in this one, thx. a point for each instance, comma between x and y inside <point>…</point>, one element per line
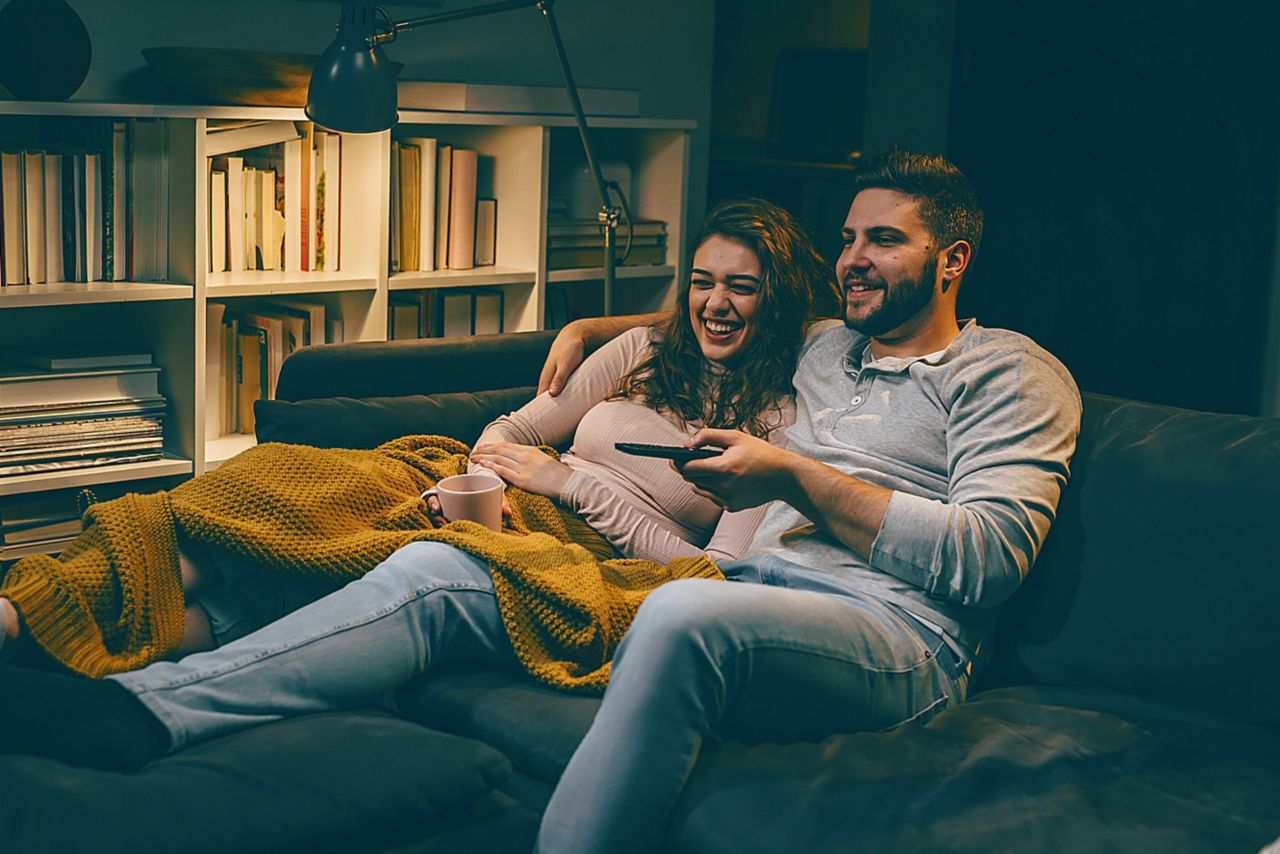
<point>524,466</point>
<point>571,344</point>
<point>566,354</point>
<point>749,472</point>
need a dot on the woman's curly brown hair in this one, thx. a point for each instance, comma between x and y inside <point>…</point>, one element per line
<point>796,287</point>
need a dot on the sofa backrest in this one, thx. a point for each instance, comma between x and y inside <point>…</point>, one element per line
<point>1161,574</point>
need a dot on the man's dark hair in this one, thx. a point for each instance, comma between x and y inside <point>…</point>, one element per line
<point>948,205</point>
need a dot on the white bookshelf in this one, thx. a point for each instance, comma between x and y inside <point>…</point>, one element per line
<point>524,157</point>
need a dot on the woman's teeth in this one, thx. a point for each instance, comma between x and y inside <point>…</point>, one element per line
<point>719,328</point>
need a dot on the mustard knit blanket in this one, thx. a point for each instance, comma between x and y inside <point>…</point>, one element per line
<point>112,601</point>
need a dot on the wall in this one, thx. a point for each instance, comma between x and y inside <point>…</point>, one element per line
<point>662,48</point>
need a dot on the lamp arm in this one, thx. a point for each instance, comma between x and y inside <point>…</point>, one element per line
<point>456,15</point>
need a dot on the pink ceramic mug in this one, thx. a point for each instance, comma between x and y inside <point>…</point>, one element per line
<point>477,497</point>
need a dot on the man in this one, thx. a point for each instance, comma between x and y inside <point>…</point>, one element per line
<point>921,476</point>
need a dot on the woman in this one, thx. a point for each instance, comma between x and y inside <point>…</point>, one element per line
<point>726,361</point>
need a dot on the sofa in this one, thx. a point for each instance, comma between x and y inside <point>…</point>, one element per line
<point>1132,704</point>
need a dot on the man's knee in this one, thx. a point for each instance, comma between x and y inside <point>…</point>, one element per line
<point>692,610</point>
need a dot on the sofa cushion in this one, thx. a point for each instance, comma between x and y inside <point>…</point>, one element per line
<point>1159,576</point>
<point>336,781</point>
<point>537,727</point>
<point>1027,769</point>
<point>348,422</point>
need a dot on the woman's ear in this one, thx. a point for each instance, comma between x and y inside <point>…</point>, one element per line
<point>955,260</point>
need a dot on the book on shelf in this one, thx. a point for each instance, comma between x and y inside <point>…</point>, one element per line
<point>240,136</point>
<point>94,235</point>
<point>444,184</point>
<point>115,227</point>
<point>31,416</point>
<point>328,213</point>
<point>501,98</point>
<point>293,189</point>
<point>74,356</point>
<point>148,190</point>
<point>53,250</point>
<point>486,232</point>
<point>307,201</point>
<point>397,189</point>
<point>249,227</point>
<point>428,163</point>
<point>233,165</point>
<point>567,228</point>
<point>409,199</point>
<point>462,210</point>
<point>22,386</point>
<point>33,215</point>
<point>44,516</point>
<point>81,462</point>
<point>214,365</point>
<point>405,321</point>
<point>309,314</point>
<point>457,312</point>
<point>251,376</point>
<point>271,335</point>
<point>232,366</point>
<point>489,309</point>
<point>12,197</point>
<point>217,219</point>
<point>334,332</point>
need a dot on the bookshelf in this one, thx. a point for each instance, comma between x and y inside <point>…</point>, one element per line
<point>523,160</point>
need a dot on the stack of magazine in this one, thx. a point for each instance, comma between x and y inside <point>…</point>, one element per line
<point>76,406</point>
<point>580,243</point>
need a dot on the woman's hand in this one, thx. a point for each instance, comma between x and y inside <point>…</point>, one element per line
<point>523,466</point>
<point>435,514</point>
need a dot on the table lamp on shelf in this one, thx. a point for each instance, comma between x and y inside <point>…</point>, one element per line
<point>353,90</point>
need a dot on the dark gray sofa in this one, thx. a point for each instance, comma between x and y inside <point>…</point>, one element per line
<point>1133,703</point>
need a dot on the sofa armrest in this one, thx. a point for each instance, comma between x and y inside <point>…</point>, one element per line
<point>427,366</point>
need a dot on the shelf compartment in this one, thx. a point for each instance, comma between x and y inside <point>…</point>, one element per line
<point>596,274</point>
<point>475,277</point>
<point>78,293</point>
<point>43,547</point>
<point>253,283</point>
<point>169,466</point>
<point>218,451</point>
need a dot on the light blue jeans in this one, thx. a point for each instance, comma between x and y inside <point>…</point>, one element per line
<point>786,656</point>
<point>426,604</point>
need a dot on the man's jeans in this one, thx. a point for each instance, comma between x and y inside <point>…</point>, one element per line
<point>786,656</point>
<point>426,604</point>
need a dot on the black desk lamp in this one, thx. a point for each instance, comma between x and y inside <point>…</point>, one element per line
<point>353,89</point>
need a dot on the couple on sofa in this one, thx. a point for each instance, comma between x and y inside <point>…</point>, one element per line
<point>886,482</point>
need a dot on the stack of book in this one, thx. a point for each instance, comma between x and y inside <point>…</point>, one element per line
<point>580,243</point>
<point>69,213</point>
<point>30,522</point>
<point>274,197</point>
<point>73,406</point>
<point>438,222</point>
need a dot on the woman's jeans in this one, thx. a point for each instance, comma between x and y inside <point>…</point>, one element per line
<point>771,659</point>
<point>426,604</point>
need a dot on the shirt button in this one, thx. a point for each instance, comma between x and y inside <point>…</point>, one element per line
<point>856,400</point>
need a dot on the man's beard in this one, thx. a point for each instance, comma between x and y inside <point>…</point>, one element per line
<point>900,302</point>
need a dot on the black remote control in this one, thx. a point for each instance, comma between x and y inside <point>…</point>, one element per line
<point>670,452</point>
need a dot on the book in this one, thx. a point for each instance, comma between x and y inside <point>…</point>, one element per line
<point>81,462</point>
<point>271,334</point>
<point>26,416</point>
<point>428,158</point>
<point>214,365</point>
<point>462,210</point>
<point>24,386</point>
<point>148,188</point>
<point>75,356</point>
<point>34,519</point>
<point>33,214</point>
<point>249,193</point>
<point>12,195</point>
<point>107,193</point>
<point>591,228</point>
<point>251,379</point>
<point>405,320</point>
<point>232,368</point>
<point>93,227</point>
<point>120,228</point>
<point>265,227</point>
<point>328,200</point>
<point>241,137</point>
<point>307,200</point>
<point>409,197</point>
<point>456,312</point>
<point>499,98</point>
<point>234,167</point>
<point>593,256</point>
<point>444,177</point>
<point>489,309</point>
<point>334,333</point>
<point>217,220</point>
<point>53,218</point>
<point>397,191</point>
<point>292,178</point>
<point>486,232</point>
<point>310,313</point>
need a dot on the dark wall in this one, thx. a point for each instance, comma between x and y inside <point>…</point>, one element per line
<point>1127,156</point>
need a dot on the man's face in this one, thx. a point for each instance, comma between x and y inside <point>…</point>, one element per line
<point>888,267</point>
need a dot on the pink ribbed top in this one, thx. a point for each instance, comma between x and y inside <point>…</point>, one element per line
<point>639,504</point>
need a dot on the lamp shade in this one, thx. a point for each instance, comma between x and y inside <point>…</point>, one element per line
<point>353,86</point>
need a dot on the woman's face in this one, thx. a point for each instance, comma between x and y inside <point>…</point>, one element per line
<point>724,293</point>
